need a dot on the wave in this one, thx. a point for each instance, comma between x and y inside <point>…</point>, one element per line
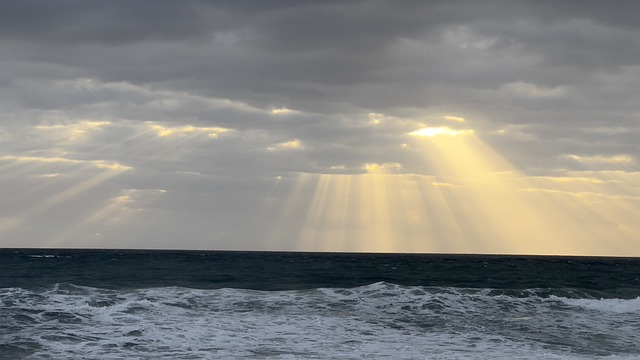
<point>379,320</point>
<point>617,306</point>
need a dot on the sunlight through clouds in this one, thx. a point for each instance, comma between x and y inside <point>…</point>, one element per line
<point>74,130</point>
<point>384,168</point>
<point>120,211</point>
<point>312,127</point>
<point>287,145</point>
<point>101,164</point>
<point>443,130</point>
<point>598,161</point>
<point>477,201</point>
<point>283,111</point>
<point>529,90</point>
<point>165,131</point>
<point>376,119</point>
<point>155,98</point>
<point>454,118</point>
<point>67,194</point>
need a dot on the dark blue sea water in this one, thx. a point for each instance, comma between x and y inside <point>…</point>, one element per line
<point>106,304</point>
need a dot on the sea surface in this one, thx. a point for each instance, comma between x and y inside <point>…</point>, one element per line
<point>124,304</point>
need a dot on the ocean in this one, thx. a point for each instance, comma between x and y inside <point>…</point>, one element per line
<point>135,304</point>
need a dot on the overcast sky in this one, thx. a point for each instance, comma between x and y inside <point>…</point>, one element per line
<point>426,126</point>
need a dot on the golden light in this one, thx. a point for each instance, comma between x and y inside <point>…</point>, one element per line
<point>465,198</point>
<point>283,111</point>
<point>101,164</point>
<point>72,178</point>
<point>165,131</point>
<point>124,208</point>
<point>384,168</point>
<point>287,145</point>
<point>454,118</point>
<point>472,200</point>
<point>81,176</point>
<point>442,130</point>
<point>107,171</point>
<point>618,160</point>
<point>72,131</point>
<point>376,119</point>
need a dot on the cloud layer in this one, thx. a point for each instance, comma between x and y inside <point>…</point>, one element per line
<point>195,114</point>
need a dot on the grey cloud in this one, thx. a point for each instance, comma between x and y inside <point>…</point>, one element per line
<point>146,84</point>
<point>563,66</point>
<point>329,56</point>
<point>109,23</point>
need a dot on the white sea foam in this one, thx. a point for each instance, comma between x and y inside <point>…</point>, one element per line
<point>619,306</point>
<point>381,321</point>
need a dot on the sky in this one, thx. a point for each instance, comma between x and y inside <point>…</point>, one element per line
<point>501,127</point>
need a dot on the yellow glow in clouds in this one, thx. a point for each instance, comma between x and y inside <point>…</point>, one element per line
<point>476,202</point>
<point>435,131</point>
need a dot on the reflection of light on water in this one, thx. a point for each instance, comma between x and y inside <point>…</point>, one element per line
<point>478,203</point>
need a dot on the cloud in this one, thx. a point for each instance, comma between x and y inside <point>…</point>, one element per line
<point>214,101</point>
<point>384,168</point>
<point>164,131</point>
<point>439,131</point>
<point>444,184</point>
<point>373,56</point>
<point>517,132</point>
<point>599,161</point>
<point>454,118</point>
<point>77,22</point>
<point>528,90</point>
<point>287,145</point>
<point>100,164</point>
<point>288,51</point>
<point>282,111</point>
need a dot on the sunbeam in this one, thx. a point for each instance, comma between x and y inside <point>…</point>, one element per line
<point>75,190</point>
<point>120,210</point>
<point>478,203</point>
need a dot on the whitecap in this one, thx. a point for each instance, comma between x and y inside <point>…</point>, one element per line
<point>618,306</point>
